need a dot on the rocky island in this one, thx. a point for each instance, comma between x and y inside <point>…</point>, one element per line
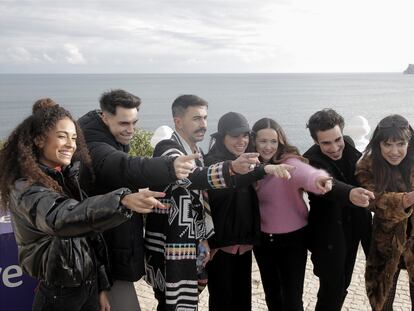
<point>410,69</point>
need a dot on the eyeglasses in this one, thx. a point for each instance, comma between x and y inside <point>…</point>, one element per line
<point>393,121</point>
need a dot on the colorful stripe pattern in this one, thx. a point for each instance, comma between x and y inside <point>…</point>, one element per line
<point>172,235</point>
<point>215,176</point>
<point>177,251</point>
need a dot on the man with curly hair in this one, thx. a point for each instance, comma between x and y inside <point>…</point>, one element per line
<point>336,223</point>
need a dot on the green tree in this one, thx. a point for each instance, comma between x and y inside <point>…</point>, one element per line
<point>140,144</point>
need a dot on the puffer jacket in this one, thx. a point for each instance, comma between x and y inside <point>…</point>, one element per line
<point>392,243</point>
<point>57,235</point>
<point>114,168</point>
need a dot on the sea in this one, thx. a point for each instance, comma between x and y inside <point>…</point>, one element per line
<point>290,99</point>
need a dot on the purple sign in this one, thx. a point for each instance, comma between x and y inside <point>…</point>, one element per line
<point>16,289</point>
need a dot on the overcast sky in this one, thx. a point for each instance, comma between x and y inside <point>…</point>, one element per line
<point>183,36</point>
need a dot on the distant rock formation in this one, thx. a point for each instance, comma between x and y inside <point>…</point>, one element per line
<point>410,69</point>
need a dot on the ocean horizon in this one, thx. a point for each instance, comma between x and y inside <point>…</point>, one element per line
<point>289,98</point>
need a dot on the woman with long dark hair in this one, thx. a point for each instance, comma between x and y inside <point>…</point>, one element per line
<point>282,252</point>
<point>387,169</point>
<point>236,218</point>
<point>57,228</point>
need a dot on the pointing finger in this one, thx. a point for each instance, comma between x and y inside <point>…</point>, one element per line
<point>158,204</point>
<point>288,167</point>
<point>370,195</point>
<point>155,194</point>
<point>287,175</point>
<point>190,157</point>
<point>250,155</point>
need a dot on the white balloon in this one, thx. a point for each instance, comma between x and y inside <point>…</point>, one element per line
<point>358,128</point>
<point>161,133</point>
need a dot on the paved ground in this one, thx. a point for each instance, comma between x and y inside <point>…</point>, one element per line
<point>356,299</point>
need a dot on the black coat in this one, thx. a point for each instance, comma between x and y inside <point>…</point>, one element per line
<point>235,211</point>
<point>114,168</point>
<point>57,236</point>
<point>333,216</point>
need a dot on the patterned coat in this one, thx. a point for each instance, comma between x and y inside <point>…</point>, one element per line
<point>172,235</point>
<point>391,245</point>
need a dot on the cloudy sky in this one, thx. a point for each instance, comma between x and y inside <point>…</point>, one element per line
<point>183,36</point>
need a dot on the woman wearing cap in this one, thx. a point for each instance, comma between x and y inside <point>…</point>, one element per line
<point>387,169</point>
<point>57,228</point>
<point>236,219</point>
<point>282,252</point>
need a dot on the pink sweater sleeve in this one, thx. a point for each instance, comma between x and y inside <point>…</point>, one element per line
<point>304,176</point>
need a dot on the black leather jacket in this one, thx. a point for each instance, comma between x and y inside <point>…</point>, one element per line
<point>57,236</point>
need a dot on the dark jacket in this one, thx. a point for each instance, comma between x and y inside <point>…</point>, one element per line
<point>114,168</point>
<point>235,211</point>
<point>331,213</point>
<point>392,236</point>
<point>57,236</point>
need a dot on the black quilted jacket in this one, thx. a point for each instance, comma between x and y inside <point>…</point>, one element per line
<point>114,168</point>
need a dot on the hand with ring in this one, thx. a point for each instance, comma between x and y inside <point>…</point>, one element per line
<point>245,163</point>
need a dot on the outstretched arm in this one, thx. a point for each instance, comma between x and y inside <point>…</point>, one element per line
<point>215,176</point>
<point>394,206</point>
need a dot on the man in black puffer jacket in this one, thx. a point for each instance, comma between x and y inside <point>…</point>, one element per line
<point>108,133</point>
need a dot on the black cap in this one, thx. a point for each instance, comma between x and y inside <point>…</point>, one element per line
<point>233,124</point>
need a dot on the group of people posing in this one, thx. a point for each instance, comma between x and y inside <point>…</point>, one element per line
<point>79,205</point>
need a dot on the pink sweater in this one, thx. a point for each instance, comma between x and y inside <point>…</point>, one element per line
<point>282,208</point>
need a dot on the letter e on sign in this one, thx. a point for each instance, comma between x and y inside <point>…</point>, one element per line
<point>10,273</point>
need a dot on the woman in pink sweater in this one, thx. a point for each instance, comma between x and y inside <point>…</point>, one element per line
<point>282,253</point>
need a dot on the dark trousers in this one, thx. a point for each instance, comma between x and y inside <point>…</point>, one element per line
<point>81,298</point>
<point>334,264</point>
<point>160,296</point>
<point>230,282</point>
<point>282,262</point>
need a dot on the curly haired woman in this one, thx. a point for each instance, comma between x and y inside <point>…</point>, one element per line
<point>57,228</point>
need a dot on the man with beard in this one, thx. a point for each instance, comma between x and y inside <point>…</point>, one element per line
<point>108,133</point>
<point>173,236</point>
